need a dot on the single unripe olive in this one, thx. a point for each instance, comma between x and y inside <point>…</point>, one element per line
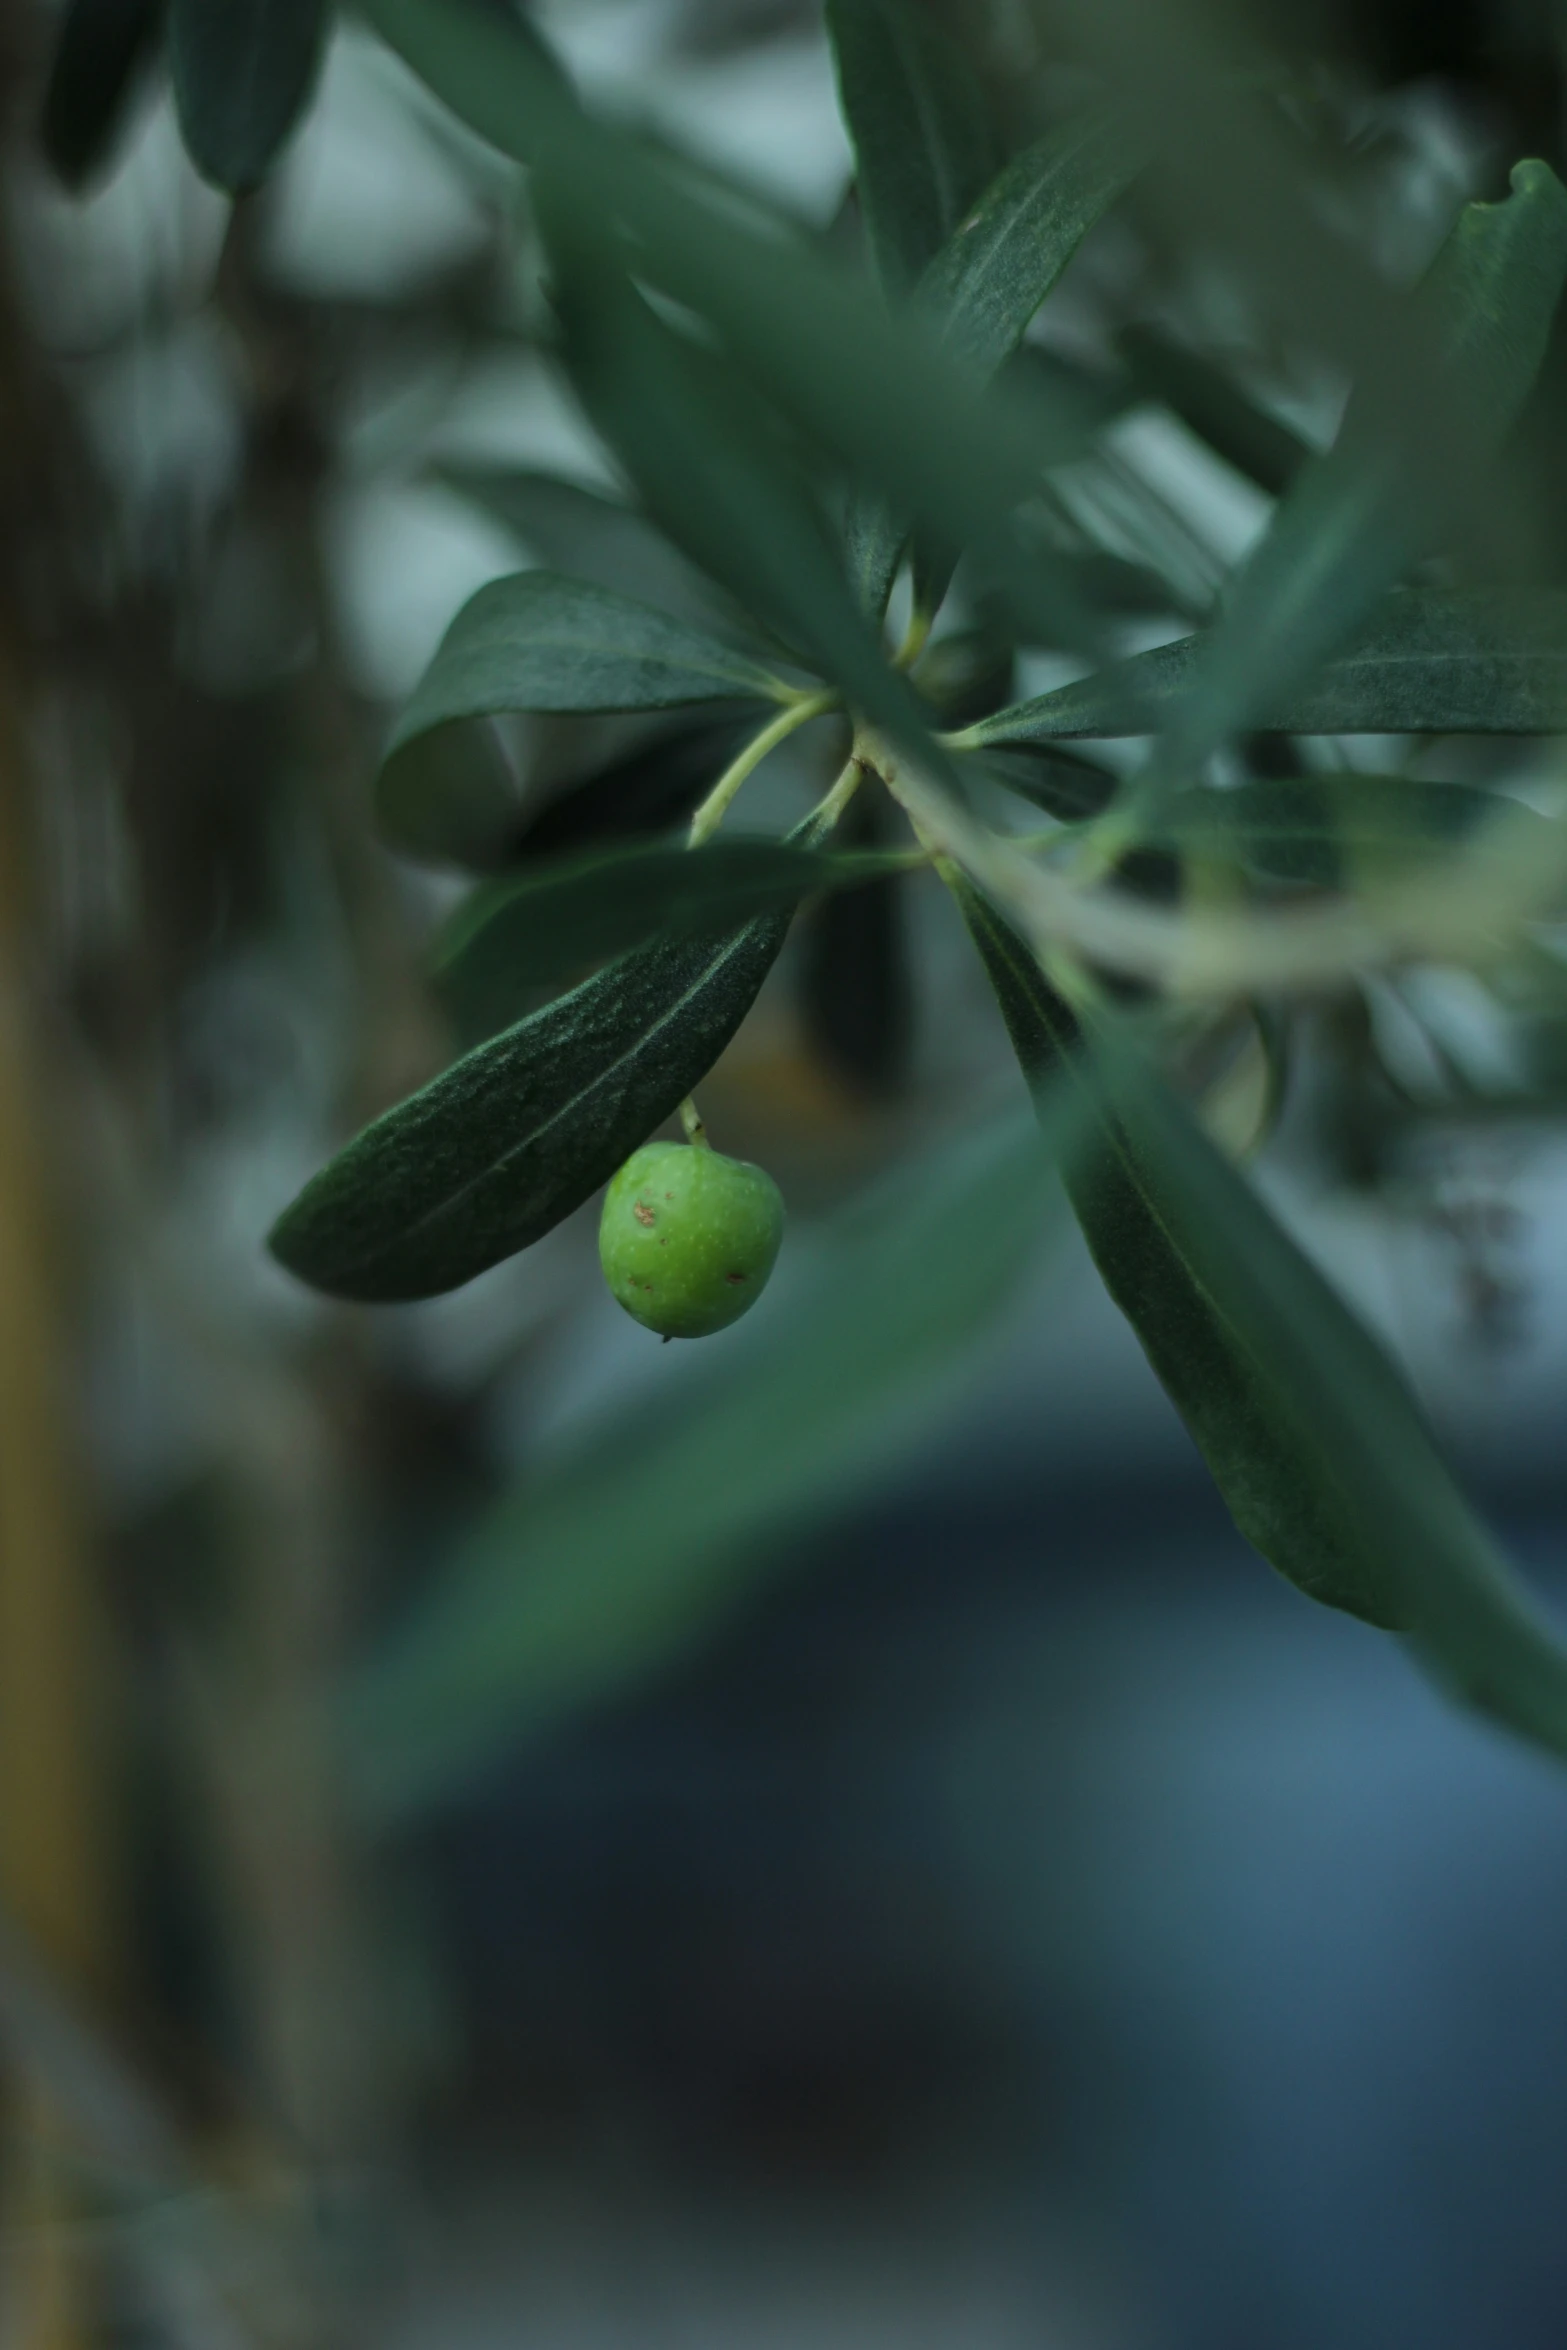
<point>688,1237</point>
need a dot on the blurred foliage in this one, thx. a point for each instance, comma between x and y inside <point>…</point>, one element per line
<point>849,529</point>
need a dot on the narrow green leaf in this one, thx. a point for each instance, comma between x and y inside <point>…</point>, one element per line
<point>709,468</point>
<point>1002,260</point>
<point>243,74</point>
<point>651,787</point>
<point>1482,661</point>
<point>917,118</point>
<point>1050,777</point>
<point>983,288</point>
<point>600,1570</point>
<point>1362,1441</point>
<point>101,54</point>
<point>1210,1358</point>
<point>1357,518</point>
<point>520,1131</point>
<point>535,641</point>
<point>874,391</point>
<point>551,922</point>
<point>856,978</point>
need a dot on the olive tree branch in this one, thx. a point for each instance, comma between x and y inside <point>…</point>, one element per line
<point>1464,907</point>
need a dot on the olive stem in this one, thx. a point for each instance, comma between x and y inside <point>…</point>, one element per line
<point>831,808</point>
<point>915,638</point>
<point>691,1120</point>
<point>710,814</point>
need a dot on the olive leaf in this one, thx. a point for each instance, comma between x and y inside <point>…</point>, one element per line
<point>1210,1358</point>
<point>243,74</point>
<point>520,1131</point>
<point>1359,1436</point>
<point>102,51</point>
<point>702,454</point>
<point>643,791</point>
<point>875,392</point>
<point>552,921</point>
<point>535,641</point>
<point>856,980</point>
<point>1467,661</point>
<point>604,1566</point>
<point>920,128</point>
<point>1395,479</point>
<point>984,286</point>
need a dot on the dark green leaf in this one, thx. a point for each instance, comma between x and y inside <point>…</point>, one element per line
<point>988,281</point>
<point>602,1568</point>
<point>917,118</point>
<point>1050,777</point>
<point>708,467</point>
<point>875,391</point>
<point>648,789</point>
<point>243,74</point>
<point>856,980</point>
<point>1466,662</point>
<point>1209,1355</point>
<point>1361,1441</point>
<point>102,51</point>
<point>1357,518</point>
<point>520,1131</point>
<point>1213,406</point>
<point>534,641</point>
<point>982,289</point>
<point>548,924</point>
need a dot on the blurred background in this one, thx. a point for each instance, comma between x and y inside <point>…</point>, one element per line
<point>1010,1916</point>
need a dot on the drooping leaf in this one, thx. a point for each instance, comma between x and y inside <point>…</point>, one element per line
<point>243,74</point>
<point>1213,406</point>
<point>1355,519</point>
<point>1480,661</point>
<point>1210,1362</point>
<point>520,1131</point>
<point>554,920</point>
<point>101,53</point>
<point>917,118</point>
<point>535,641</point>
<point>604,1567</point>
<point>1361,1438</point>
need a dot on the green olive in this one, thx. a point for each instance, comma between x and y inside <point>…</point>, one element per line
<point>688,1237</point>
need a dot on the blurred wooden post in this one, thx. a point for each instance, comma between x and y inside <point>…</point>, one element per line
<point>51,1849</point>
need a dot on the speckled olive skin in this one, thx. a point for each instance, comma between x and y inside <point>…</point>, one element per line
<point>688,1237</point>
